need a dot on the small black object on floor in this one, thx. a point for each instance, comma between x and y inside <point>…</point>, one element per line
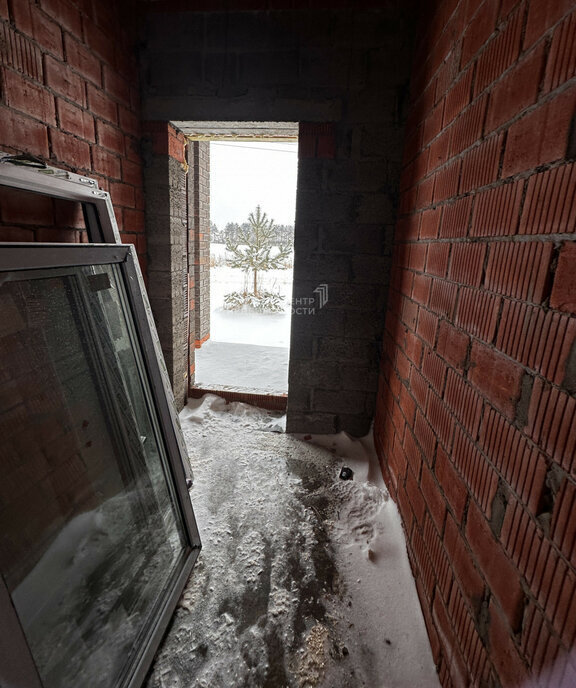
<point>346,473</point>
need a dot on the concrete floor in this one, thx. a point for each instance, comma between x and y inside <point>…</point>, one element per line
<point>268,605</point>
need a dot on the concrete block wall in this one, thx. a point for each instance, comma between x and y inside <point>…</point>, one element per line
<point>199,217</point>
<point>476,412</point>
<point>70,96</point>
<point>346,68</point>
<point>169,287</point>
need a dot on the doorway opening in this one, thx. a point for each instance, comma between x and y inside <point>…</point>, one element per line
<point>244,204</point>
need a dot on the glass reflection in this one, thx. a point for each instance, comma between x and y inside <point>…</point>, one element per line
<point>90,534</point>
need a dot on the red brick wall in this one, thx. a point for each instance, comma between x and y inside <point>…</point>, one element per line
<point>69,94</point>
<point>476,420</point>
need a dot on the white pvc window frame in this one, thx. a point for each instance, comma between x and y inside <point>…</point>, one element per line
<point>17,668</point>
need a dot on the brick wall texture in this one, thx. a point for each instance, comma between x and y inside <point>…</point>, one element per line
<point>476,411</point>
<point>199,214</point>
<point>347,72</point>
<point>476,405</point>
<point>69,94</point>
<point>170,281</point>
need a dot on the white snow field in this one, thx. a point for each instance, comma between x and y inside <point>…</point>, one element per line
<point>262,368</point>
<point>303,579</point>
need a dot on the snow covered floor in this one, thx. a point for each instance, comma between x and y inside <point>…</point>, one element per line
<point>303,579</point>
<point>263,366</point>
<point>245,366</point>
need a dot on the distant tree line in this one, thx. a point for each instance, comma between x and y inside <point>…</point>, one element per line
<point>282,235</point>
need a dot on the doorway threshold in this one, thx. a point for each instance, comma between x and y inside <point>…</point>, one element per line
<point>272,401</point>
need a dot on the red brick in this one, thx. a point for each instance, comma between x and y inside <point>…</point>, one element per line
<point>64,81</point>
<point>417,259</point>
<point>468,127</point>
<point>467,263</point>
<point>561,64</point>
<point>477,313</point>
<point>476,471</point>
<point>551,422</point>
<point>59,235</point>
<point>101,105</point>
<point>110,137</point>
<point>28,97</point>
<point>418,387</point>
<point>550,206</point>
<point>106,163</point>
<point>469,579</point>
<point>434,368</point>
<point>415,496</point>
<point>82,60</point>
<point>437,259</point>
<point>129,121</point>
<point>439,150</point>
<point>520,270</point>
<point>22,134</point>
<point>22,17</point>
<point>433,124</point>
<point>441,420</point>
<point>452,484</point>
<point>542,15</point>
<point>455,218</point>
<point>116,85</point>
<point>425,436</point>
<point>446,181</point>
<point>421,289</point>
<point>22,207</point>
<point>452,345</point>
<point>496,567</point>
<point>496,211</point>
<point>409,313</point>
<point>4,9</point>
<point>425,192</point>
<point>553,119</point>
<point>68,214</point>
<point>443,298</point>
<point>47,33</point>
<point>539,339</point>
<point>496,377</point>
<point>465,403</point>
<point>100,42</point>
<point>16,234</point>
<point>563,526</point>
<point>517,90</point>
<point>479,30</point>
<point>65,14</point>
<point>458,97</point>
<point>131,173</point>
<point>429,223</point>
<point>413,347</point>
<point>455,666</point>
<point>563,295</point>
<point>508,661</point>
<point>75,120</point>
<point>480,164</point>
<point>122,194</point>
<point>427,324</point>
<point>500,54</point>
<point>70,151</point>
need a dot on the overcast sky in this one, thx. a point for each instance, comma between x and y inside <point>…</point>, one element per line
<point>246,174</point>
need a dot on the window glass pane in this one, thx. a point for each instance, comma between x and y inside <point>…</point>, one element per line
<point>90,531</point>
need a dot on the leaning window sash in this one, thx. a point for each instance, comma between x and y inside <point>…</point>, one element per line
<point>62,259</point>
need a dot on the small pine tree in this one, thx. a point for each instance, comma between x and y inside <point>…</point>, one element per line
<point>252,246</point>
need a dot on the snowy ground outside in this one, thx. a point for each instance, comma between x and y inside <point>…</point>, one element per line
<point>303,579</point>
<point>262,368</point>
